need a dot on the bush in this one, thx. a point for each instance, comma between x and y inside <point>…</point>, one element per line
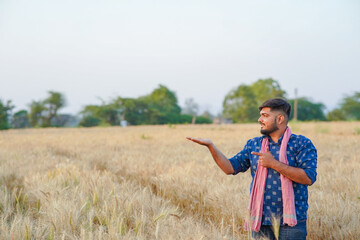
<point>89,121</point>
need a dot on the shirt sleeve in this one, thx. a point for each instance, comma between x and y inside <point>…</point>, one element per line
<point>241,161</point>
<point>307,158</point>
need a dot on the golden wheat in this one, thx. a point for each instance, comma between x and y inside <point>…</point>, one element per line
<point>149,182</point>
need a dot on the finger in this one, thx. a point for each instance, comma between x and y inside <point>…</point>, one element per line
<point>256,153</point>
<point>195,140</point>
<point>267,149</point>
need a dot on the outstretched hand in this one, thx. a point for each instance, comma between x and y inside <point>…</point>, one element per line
<point>265,159</point>
<point>204,142</point>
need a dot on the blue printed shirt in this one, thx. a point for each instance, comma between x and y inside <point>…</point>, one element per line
<point>301,153</point>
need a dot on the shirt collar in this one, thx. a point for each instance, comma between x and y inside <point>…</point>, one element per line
<point>272,142</point>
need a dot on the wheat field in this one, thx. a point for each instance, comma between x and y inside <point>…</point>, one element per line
<point>149,182</point>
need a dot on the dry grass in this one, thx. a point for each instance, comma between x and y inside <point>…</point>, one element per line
<point>149,182</point>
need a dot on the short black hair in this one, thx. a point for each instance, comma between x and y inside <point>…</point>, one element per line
<point>277,104</point>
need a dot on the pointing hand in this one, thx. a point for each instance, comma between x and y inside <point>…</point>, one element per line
<point>265,159</point>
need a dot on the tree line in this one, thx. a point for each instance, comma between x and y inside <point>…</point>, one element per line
<point>158,107</point>
<point>161,107</point>
<point>241,104</point>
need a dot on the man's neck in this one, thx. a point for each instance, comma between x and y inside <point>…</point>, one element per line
<point>275,136</point>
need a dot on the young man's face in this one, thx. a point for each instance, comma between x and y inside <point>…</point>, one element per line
<point>268,121</point>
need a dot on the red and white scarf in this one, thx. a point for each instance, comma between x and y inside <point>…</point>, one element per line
<point>258,188</point>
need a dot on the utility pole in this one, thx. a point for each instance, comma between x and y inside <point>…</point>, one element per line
<point>295,106</point>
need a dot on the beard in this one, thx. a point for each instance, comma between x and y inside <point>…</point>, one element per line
<point>271,129</point>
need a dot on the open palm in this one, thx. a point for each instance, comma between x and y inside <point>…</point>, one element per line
<point>205,142</point>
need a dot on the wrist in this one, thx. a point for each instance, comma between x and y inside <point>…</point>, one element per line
<point>276,165</point>
<point>211,145</point>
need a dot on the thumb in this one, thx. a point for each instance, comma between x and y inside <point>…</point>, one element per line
<point>267,149</point>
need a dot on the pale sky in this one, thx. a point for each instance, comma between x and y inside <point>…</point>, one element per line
<point>200,49</point>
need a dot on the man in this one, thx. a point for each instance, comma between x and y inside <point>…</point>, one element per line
<point>280,175</point>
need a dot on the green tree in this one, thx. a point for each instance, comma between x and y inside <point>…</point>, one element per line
<point>336,115</point>
<point>104,114</point>
<point>110,114</point>
<point>241,104</point>
<point>158,107</point>
<point>5,112</point>
<point>202,119</point>
<point>52,104</point>
<point>136,111</point>
<point>350,105</point>
<point>20,119</point>
<point>265,89</point>
<point>308,110</point>
<point>89,121</point>
<point>164,105</point>
<point>91,116</point>
<point>349,109</point>
<point>37,111</point>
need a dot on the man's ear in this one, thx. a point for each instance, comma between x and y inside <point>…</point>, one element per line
<point>281,118</point>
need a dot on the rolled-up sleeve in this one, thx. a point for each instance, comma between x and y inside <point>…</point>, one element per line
<point>307,159</point>
<point>241,161</point>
